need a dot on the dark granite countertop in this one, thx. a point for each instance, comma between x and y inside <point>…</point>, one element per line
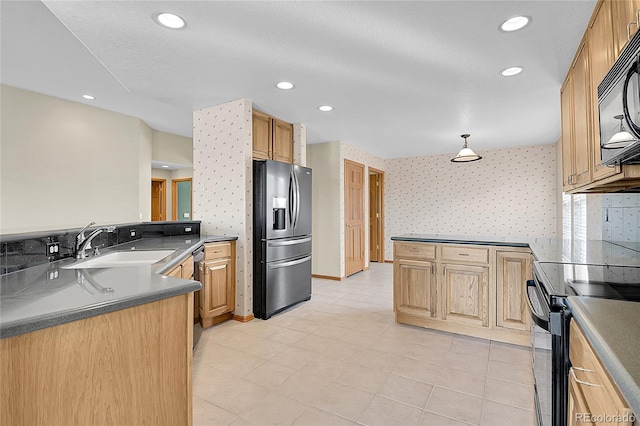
<point>48,295</point>
<point>611,326</point>
<point>545,249</point>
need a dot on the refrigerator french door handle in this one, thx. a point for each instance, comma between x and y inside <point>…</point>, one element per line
<point>291,200</point>
<point>276,265</point>
<point>288,243</point>
<point>297,199</point>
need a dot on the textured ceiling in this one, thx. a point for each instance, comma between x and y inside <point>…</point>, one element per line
<point>405,78</point>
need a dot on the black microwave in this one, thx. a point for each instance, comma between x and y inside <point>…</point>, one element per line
<point>619,108</point>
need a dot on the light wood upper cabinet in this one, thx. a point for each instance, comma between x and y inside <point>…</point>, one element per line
<point>581,119</point>
<point>218,277</point>
<point>625,16</point>
<point>602,56</point>
<point>272,138</point>
<point>566,109</point>
<point>282,141</point>
<point>261,136</point>
<point>514,269</point>
<point>466,294</point>
<point>601,44</point>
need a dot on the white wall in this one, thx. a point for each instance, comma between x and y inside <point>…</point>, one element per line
<point>327,162</point>
<point>144,170</point>
<point>510,192</point>
<point>65,164</point>
<point>171,148</point>
<point>222,184</point>
<point>324,160</point>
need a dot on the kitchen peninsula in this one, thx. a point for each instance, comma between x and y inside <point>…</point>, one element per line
<point>100,345</point>
<point>476,285</point>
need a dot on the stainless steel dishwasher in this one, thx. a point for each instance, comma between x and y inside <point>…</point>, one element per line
<point>198,256</point>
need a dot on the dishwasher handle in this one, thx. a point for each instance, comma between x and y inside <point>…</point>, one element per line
<point>198,255</point>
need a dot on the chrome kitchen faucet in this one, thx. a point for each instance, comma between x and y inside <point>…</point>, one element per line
<point>83,244</point>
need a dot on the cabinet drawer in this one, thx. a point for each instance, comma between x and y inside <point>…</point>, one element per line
<point>465,254</point>
<point>217,251</point>
<point>415,250</point>
<point>600,392</point>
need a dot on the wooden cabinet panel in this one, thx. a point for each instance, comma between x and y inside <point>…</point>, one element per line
<point>601,58</point>
<point>415,250</point>
<point>465,254</point>
<point>218,296</point>
<point>218,277</point>
<point>465,294</point>
<point>282,141</point>
<point>582,112</point>
<point>603,40</point>
<point>128,367</point>
<point>624,14</point>
<point>513,271</point>
<point>217,251</point>
<point>261,136</point>
<point>566,110</point>
<point>272,138</point>
<point>591,379</point>
<point>415,289</point>
<point>577,405</point>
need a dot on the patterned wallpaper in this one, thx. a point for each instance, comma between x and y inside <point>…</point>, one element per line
<point>510,193</point>
<point>222,182</point>
<point>358,155</point>
<point>300,144</point>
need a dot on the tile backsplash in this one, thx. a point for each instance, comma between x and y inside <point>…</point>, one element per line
<point>621,217</point>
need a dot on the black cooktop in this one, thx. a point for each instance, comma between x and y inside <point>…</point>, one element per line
<point>605,281</point>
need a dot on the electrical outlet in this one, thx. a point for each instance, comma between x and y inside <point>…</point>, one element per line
<point>53,274</point>
<point>53,249</point>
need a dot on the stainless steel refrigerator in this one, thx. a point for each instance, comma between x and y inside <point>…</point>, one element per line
<point>281,236</point>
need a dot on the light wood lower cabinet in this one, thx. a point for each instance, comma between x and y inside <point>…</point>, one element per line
<point>513,269</point>
<point>415,290</point>
<point>128,367</point>
<point>593,396</point>
<point>185,270</point>
<point>467,289</point>
<point>465,296</point>
<point>218,277</point>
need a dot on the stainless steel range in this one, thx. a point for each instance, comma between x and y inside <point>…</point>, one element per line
<point>547,294</point>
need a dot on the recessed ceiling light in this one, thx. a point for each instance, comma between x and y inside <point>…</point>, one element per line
<point>284,85</point>
<point>515,23</point>
<point>511,71</point>
<point>325,108</point>
<point>169,20</point>
<point>164,166</point>
<point>90,97</point>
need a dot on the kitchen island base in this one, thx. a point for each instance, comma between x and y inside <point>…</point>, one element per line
<point>132,366</point>
<point>477,290</point>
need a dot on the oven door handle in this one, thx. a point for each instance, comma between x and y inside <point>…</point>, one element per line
<point>540,320</point>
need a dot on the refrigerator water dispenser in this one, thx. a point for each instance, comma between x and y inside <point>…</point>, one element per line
<point>279,213</point>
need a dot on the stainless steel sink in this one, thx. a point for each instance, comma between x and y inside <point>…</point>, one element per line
<point>122,258</point>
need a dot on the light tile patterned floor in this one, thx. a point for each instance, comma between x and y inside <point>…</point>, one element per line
<point>340,359</point>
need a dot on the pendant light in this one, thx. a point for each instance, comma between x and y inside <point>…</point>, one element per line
<point>621,139</point>
<point>466,154</point>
